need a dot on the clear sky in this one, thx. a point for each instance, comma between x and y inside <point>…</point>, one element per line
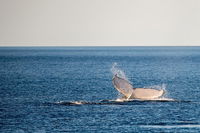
<point>99,22</point>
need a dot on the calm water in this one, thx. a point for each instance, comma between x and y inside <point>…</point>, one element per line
<point>34,79</point>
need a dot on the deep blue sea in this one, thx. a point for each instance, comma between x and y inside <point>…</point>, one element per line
<point>34,80</point>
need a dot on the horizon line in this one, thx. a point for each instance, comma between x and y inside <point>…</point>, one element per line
<point>59,45</point>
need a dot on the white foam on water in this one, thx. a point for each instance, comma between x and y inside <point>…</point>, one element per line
<point>79,102</point>
<point>76,102</point>
<point>123,100</point>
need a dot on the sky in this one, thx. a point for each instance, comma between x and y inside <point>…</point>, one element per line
<point>99,22</point>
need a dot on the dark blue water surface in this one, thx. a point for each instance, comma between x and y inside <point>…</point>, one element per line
<point>34,79</point>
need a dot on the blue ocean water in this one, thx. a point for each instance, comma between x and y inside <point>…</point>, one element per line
<point>34,79</point>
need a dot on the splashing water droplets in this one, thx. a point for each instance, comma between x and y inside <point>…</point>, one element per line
<point>117,71</point>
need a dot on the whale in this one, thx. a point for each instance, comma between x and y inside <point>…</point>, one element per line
<point>129,92</point>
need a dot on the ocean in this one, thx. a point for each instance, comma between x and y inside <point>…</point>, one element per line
<point>69,89</point>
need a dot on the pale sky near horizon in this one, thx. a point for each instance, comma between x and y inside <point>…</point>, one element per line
<point>99,22</point>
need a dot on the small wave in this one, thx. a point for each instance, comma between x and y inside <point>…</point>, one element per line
<point>72,102</point>
<point>170,126</point>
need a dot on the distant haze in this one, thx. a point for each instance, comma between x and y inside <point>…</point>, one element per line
<point>99,22</point>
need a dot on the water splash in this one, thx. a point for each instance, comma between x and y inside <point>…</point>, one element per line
<point>117,71</point>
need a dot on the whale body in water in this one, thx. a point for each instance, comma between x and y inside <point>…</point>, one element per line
<point>129,92</point>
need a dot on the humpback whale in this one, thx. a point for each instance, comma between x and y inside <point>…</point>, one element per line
<point>129,92</point>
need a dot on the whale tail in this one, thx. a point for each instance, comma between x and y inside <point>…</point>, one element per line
<point>125,88</point>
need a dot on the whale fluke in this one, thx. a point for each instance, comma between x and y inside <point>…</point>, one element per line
<point>125,88</point>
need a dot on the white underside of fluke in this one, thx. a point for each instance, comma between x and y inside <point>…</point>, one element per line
<point>146,93</point>
<point>125,88</point>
